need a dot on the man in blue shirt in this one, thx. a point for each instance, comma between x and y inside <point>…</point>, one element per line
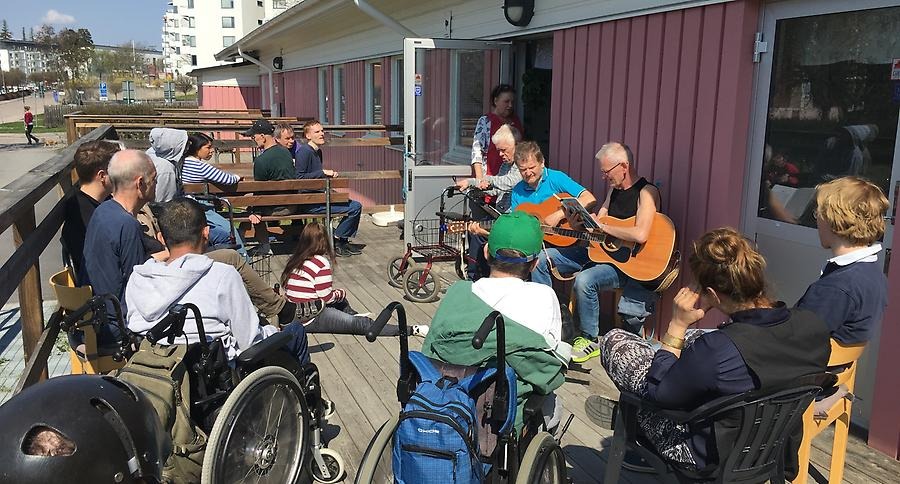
<point>113,244</point>
<point>308,161</point>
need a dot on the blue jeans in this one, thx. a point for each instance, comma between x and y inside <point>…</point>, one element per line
<point>349,225</point>
<point>635,304</point>
<point>220,231</point>
<point>298,345</point>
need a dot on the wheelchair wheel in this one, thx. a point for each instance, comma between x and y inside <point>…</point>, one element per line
<point>543,462</point>
<point>374,454</point>
<point>397,269</point>
<point>261,431</point>
<point>333,462</point>
<point>421,286</point>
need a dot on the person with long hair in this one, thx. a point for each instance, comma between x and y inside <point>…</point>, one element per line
<point>762,346</point>
<point>195,169</point>
<point>308,282</point>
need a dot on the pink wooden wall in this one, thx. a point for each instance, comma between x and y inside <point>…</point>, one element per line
<point>301,100</point>
<point>674,86</point>
<point>228,97</point>
<point>884,425</point>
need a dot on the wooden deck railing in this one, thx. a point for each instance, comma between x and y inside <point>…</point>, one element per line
<point>21,272</point>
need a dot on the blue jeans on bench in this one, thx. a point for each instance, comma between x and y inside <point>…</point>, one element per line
<point>349,225</point>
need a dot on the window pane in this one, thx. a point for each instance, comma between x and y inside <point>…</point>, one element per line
<point>190,3</point>
<point>227,3</point>
<point>227,40</point>
<point>340,107</point>
<point>377,82</point>
<point>323,96</point>
<point>829,111</point>
<point>470,85</point>
<point>228,22</point>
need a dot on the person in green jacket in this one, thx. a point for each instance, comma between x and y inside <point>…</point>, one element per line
<point>534,346</point>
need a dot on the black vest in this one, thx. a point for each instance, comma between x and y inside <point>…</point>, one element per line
<point>624,203</point>
<point>777,355</point>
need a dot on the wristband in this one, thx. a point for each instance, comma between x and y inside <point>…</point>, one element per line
<point>672,342</point>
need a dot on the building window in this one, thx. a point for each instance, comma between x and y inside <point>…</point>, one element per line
<point>374,82</point>
<point>227,40</point>
<point>176,37</point>
<point>323,95</point>
<point>193,42</point>
<point>193,60</point>
<point>227,22</point>
<point>279,3</point>
<point>190,22</point>
<point>227,3</point>
<point>190,3</point>
<point>340,100</point>
<point>397,90</point>
<point>259,3</point>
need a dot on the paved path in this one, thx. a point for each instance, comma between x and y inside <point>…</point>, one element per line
<point>15,160</point>
<point>11,110</point>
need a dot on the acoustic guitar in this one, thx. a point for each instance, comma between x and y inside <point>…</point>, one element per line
<point>642,262</point>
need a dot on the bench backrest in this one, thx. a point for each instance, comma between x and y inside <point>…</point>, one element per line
<point>273,193</point>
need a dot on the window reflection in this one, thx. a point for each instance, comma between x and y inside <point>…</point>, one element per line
<point>832,110</point>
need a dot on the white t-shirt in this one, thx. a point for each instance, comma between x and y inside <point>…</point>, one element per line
<point>532,305</point>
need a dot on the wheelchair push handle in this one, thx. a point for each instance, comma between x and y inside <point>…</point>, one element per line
<point>384,317</point>
<point>96,305</point>
<point>485,329</point>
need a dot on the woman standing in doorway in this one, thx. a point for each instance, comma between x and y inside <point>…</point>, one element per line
<point>486,158</point>
<point>29,125</point>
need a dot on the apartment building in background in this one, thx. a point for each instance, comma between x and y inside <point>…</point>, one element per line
<point>25,55</point>
<point>194,30</point>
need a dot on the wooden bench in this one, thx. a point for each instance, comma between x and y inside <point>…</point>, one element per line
<point>250,194</point>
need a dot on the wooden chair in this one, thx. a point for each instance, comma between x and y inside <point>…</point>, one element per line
<point>86,358</point>
<point>839,414</point>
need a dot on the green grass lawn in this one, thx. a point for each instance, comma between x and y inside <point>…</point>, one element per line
<point>19,126</point>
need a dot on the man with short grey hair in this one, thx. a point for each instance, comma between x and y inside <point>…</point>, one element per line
<point>113,244</point>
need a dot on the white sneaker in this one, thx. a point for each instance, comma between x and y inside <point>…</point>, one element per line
<point>420,330</point>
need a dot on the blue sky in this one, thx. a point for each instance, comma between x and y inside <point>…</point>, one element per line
<point>111,22</point>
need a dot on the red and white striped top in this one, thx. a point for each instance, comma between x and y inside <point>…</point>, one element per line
<point>312,282</point>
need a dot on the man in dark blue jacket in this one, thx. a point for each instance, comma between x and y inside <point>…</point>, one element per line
<point>308,161</point>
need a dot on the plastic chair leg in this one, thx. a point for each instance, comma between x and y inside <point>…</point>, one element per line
<point>809,431</point>
<point>839,447</point>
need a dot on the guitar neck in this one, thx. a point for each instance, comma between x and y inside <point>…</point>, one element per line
<point>575,234</point>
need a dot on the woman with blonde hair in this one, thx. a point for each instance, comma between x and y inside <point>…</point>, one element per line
<point>763,345</point>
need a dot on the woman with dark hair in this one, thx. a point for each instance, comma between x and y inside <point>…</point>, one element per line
<point>195,169</point>
<point>486,159</point>
<point>308,283</point>
<point>762,346</point>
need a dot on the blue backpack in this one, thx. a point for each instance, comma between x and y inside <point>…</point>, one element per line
<point>437,437</point>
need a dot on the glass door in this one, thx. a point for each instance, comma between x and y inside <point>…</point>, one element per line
<point>826,107</point>
<point>446,88</point>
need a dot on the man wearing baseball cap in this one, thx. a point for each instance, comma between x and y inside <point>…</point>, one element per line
<point>534,345</point>
<point>274,162</point>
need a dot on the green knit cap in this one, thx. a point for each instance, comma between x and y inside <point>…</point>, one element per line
<point>519,231</point>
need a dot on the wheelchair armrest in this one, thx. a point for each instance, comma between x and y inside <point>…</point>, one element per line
<point>533,407</point>
<point>263,349</point>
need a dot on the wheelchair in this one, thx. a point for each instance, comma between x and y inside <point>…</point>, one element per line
<point>263,412</point>
<point>532,456</point>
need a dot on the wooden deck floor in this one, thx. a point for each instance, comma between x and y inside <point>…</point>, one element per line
<point>361,377</point>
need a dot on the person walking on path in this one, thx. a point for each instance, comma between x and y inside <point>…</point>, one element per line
<point>29,125</point>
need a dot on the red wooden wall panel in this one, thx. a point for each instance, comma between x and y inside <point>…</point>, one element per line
<point>674,86</point>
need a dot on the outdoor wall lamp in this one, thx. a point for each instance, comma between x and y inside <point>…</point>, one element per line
<point>518,12</point>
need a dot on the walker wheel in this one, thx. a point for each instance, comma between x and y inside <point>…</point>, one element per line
<point>421,285</point>
<point>396,269</point>
<point>333,462</point>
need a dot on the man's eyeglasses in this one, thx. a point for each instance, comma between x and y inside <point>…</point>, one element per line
<point>606,172</point>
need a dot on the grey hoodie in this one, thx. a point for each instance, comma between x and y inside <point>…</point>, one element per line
<point>167,147</point>
<point>216,288</point>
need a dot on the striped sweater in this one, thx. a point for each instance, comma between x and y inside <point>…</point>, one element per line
<point>313,282</point>
<point>196,171</point>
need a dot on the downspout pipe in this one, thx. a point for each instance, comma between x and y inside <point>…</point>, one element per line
<point>273,107</point>
<point>384,19</point>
